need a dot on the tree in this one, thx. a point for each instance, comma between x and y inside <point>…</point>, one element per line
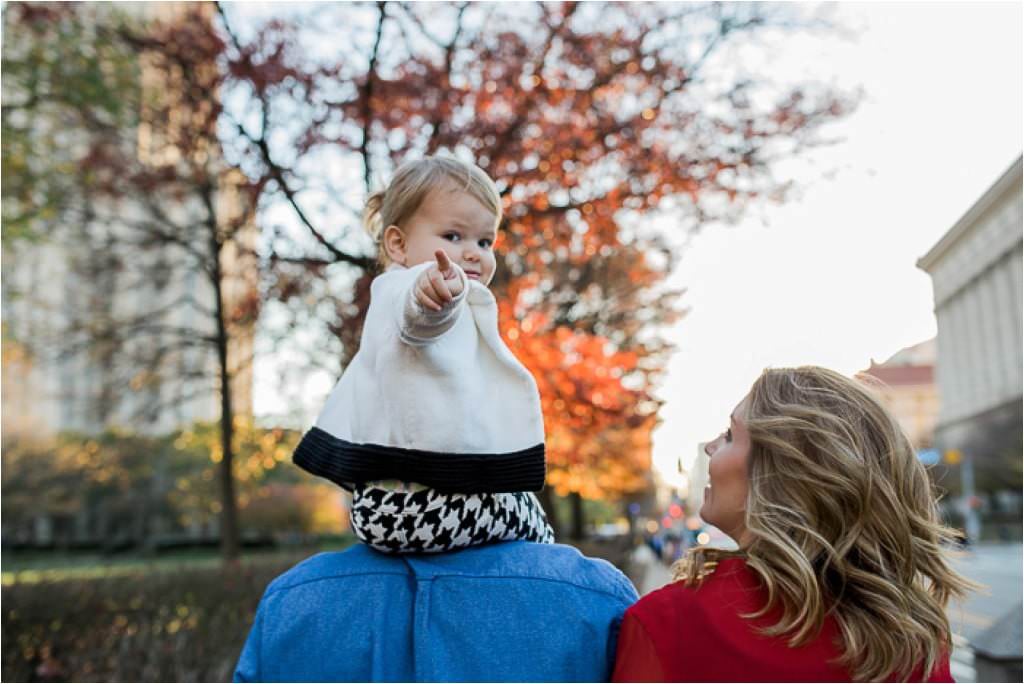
<point>104,480</point>
<point>592,118</point>
<point>115,157</point>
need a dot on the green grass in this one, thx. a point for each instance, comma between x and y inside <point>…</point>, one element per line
<point>33,567</point>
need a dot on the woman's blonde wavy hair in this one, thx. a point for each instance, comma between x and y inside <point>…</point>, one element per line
<point>395,204</point>
<point>842,520</point>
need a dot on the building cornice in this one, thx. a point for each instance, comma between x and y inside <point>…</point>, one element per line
<point>1010,180</point>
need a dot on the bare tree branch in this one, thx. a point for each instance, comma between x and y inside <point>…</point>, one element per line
<point>366,96</point>
<point>449,56</point>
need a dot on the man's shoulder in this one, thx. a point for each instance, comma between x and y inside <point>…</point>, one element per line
<point>529,561</point>
<point>438,617</point>
<point>509,561</point>
<point>358,560</point>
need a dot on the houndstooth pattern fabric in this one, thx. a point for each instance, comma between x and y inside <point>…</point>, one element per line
<point>428,521</point>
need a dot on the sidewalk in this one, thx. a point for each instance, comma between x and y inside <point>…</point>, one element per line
<point>651,572</point>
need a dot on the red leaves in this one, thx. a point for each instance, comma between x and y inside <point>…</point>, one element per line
<point>271,60</point>
<point>588,118</point>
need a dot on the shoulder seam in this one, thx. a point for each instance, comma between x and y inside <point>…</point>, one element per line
<point>271,590</point>
<point>539,579</point>
<point>276,590</point>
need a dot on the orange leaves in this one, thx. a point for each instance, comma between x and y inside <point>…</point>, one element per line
<point>597,443</point>
<point>612,462</point>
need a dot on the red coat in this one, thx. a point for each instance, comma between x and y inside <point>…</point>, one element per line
<point>684,634</point>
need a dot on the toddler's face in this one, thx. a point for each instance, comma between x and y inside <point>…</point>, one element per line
<point>452,220</point>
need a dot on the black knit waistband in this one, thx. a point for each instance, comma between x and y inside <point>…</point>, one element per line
<point>345,464</point>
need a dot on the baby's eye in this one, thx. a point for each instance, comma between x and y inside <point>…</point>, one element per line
<point>486,243</point>
<point>451,236</point>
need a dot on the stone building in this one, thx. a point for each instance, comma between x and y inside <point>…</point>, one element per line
<point>51,386</point>
<point>92,270</point>
<point>976,275</point>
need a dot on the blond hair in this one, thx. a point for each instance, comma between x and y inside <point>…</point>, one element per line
<point>843,521</point>
<point>413,180</point>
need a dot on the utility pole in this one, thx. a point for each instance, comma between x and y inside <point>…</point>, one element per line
<point>972,525</point>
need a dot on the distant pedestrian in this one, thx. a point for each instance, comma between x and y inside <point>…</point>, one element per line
<point>840,574</point>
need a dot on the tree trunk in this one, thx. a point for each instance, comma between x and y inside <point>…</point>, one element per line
<point>546,497</point>
<point>577,516</point>
<point>229,542</point>
<point>228,514</point>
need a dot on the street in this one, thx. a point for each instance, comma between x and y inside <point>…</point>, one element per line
<point>998,567</point>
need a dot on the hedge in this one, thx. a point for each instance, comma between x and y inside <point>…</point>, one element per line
<point>182,625</point>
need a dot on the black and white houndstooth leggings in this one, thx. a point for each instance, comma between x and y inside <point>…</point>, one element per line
<point>428,521</point>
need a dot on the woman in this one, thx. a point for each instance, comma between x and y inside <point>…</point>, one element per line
<point>840,572</point>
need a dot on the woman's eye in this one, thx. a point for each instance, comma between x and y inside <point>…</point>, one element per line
<point>728,435</point>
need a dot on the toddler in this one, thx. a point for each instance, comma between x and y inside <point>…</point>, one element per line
<point>435,426</point>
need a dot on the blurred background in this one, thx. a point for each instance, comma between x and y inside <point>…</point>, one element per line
<point>692,192</point>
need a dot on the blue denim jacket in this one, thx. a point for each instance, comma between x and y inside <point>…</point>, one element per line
<point>517,611</point>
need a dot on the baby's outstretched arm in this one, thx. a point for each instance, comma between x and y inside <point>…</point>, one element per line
<point>432,307</point>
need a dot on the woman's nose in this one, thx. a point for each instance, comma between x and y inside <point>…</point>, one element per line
<point>707,447</point>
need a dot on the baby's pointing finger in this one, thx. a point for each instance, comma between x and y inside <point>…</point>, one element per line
<point>443,263</point>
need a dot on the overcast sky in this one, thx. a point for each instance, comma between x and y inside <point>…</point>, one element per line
<point>831,279</point>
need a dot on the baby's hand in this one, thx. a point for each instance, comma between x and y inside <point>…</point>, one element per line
<point>438,285</point>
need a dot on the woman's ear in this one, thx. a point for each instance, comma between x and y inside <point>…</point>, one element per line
<point>394,244</point>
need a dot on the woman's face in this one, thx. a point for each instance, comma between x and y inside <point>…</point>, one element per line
<point>725,498</point>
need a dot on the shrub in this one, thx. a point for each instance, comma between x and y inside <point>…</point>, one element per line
<point>187,624</point>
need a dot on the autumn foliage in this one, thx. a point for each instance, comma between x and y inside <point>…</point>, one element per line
<point>592,119</point>
<point>598,122</point>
